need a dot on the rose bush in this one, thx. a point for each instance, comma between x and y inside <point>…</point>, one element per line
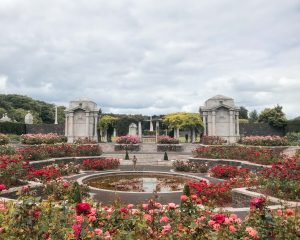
<point>4,139</point>
<point>101,164</point>
<point>40,152</point>
<point>49,138</point>
<point>167,140</point>
<point>226,171</point>
<point>128,139</point>
<point>265,141</point>
<point>212,140</point>
<point>251,154</point>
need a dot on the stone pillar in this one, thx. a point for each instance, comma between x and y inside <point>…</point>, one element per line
<point>66,126</point>
<point>151,124</point>
<point>177,133</point>
<point>193,135</point>
<point>156,130</point>
<point>204,124</point>
<point>87,119</point>
<point>70,127</point>
<point>231,124</point>
<point>115,132</point>
<point>55,115</point>
<point>95,134</point>
<point>140,129</point>
<point>213,123</point>
<point>237,124</point>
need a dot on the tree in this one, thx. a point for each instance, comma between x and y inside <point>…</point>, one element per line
<point>274,116</point>
<point>243,113</point>
<point>183,120</point>
<point>253,116</point>
<point>106,125</point>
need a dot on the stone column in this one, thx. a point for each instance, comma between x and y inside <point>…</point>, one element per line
<point>231,124</point>
<point>87,124</point>
<point>156,129</point>
<point>177,133</point>
<point>237,124</point>
<point>213,123</point>
<point>151,124</point>
<point>193,135</point>
<point>55,122</point>
<point>71,127</point>
<point>204,124</point>
<point>66,126</point>
<point>140,130</point>
<point>115,132</point>
<point>95,130</point>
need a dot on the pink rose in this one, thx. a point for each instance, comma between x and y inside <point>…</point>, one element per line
<point>232,228</point>
<point>184,198</point>
<point>171,205</point>
<point>130,206</point>
<point>164,219</point>
<point>98,231</point>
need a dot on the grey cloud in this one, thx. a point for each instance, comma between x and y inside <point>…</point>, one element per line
<point>143,56</point>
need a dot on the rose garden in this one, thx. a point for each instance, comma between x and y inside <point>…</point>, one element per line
<point>200,182</point>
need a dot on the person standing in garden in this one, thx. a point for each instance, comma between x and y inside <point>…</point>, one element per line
<point>134,161</point>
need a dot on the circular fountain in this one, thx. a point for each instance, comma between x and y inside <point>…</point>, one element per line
<point>138,186</point>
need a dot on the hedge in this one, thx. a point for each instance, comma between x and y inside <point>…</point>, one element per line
<point>293,126</point>
<point>12,128</point>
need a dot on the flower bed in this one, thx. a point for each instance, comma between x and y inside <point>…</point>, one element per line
<point>13,169</point>
<point>183,166</point>
<point>212,140</point>
<point>101,164</point>
<point>226,171</point>
<point>251,154</point>
<point>4,139</point>
<point>78,218</point>
<point>265,141</point>
<point>128,139</point>
<point>282,180</point>
<point>7,150</point>
<point>40,152</point>
<point>49,138</point>
<point>167,140</point>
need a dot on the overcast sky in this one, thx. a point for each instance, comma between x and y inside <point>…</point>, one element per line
<point>152,57</point>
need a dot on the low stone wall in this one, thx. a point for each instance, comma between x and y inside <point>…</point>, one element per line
<point>129,147</point>
<point>244,164</point>
<point>169,148</point>
<point>241,198</point>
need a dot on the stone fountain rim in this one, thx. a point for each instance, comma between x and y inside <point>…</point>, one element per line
<point>82,180</point>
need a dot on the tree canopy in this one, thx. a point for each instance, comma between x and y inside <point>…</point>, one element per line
<point>274,116</point>
<point>17,106</point>
<point>243,113</point>
<point>107,120</point>
<point>253,116</point>
<point>183,120</point>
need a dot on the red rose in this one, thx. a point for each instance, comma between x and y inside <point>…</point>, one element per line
<point>2,187</point>
<point>219,218</point>
<point>257,202</point>
<point>83,208</point>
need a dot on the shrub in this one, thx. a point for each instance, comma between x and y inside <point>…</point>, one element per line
<point>212,140</point>
<point>13,169</point>
<point>293,138</point>
<point>282,179</point>
<point>265,141</point>
<point>167,140</point>
<point>251,154</point>
<point>101,164</point>
<point>40,152</point>
<point>226,171</point>
<point>180,165</point>
<point>7,150</point>
<point>12,128</point>
<point>49,138</point>
<point>128,139</point>
<point>4,139</point>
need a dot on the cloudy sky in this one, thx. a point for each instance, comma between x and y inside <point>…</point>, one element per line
<point>152,56</point>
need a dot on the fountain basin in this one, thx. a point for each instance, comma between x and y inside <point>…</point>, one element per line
<point>109,195</point>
